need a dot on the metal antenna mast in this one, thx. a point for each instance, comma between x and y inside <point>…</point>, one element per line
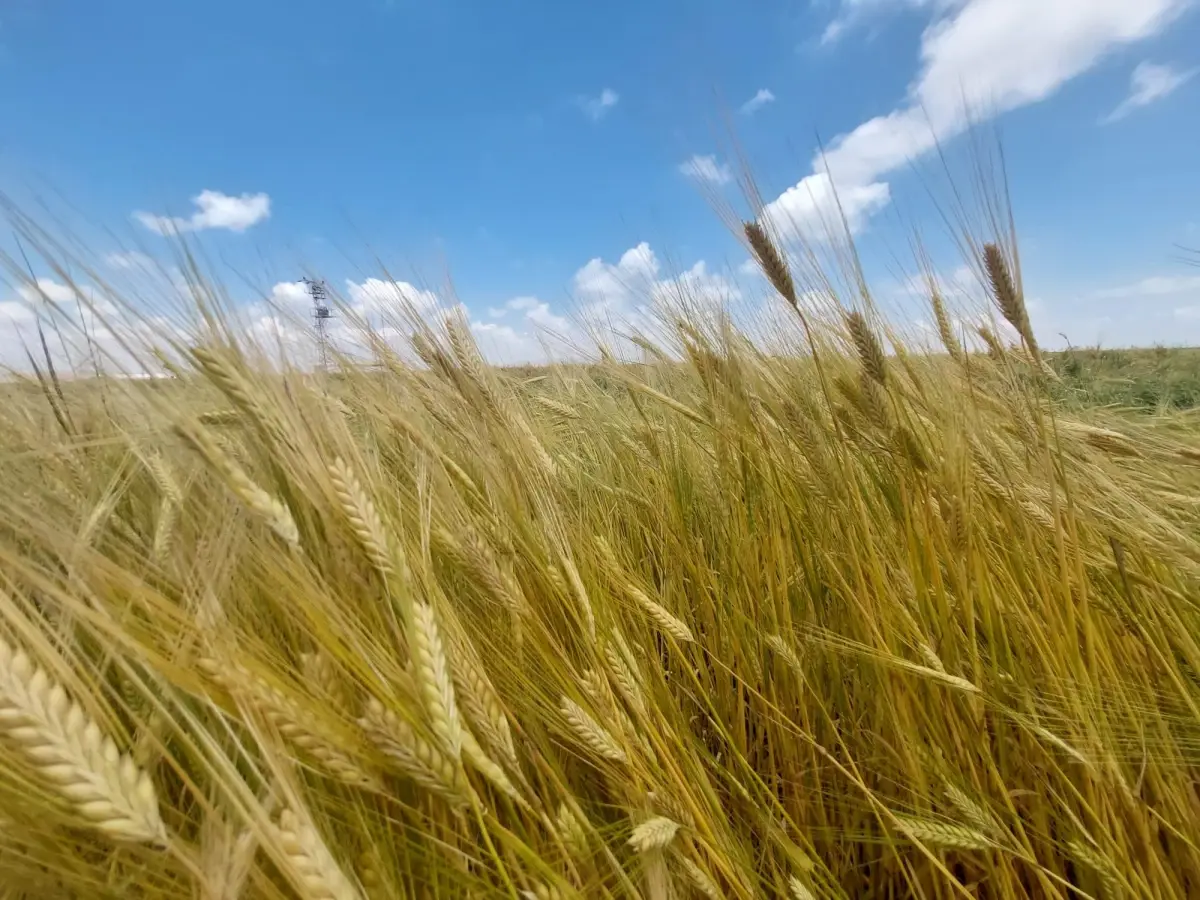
<point>321,316</point>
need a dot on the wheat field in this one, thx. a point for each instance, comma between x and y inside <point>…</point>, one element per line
<point>860,620</point>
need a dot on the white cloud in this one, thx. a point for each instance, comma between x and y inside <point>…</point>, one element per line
<point>697,292</point>
<point>213,210</point>
<point>377,295</point>
<point>706,168</point>
<point>292,297</point>
<point>811,208</point>
<point>853,12</point>
<point>1148,83</point>
<point>978,58</point>
<point>46,289</point>
<point>87,327</point>
<point>597,107</point>
<point>631,295</point>
<point>602,287</point>
<point>757,102</point>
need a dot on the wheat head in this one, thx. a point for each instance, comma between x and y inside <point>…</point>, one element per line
<point>104,787</point>
<point>310,866</point>
<point>653,834</point>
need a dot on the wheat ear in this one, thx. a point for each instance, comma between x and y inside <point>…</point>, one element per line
<point>231,383</point>
<point>870,352</point>
<point>590,734</point>
<point>433,678</point>
<point>413,755</point>
<point>1098,863</point>
<point>800,890</point>
<point>226,858</point>
<point>557,406</point>
<point>943,834</point>
<point>770,261</point>
<point>581,595</point>
<point>945,327</point>
<point>364,518</point>
<point>667,622</point>
<point>979,817</point>
<point>475,559</point>
<point>273,511</point>
<point>489,769</point>
<point>291,720</point>
<point>571,832</point>
<point>479,697</point>
<point>1007,297</point>
<point>624,678</point>
<point>309,865</point>
<point>701,880</point>
<point>653,834</point>
<point>164,528</point>
<point>70,752</point>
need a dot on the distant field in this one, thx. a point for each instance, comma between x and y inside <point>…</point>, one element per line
<point>1156,379</point>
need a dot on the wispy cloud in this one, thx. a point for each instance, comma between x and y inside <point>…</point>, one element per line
<point>706,168</point>
<point>1148,84</point>
<point>854,12</point>
<point>979,58</point>
<point>596,108</point>
<point>213,210</point>
<point>757,102</point>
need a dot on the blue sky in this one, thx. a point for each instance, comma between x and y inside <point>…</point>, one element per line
<point>558,156</point>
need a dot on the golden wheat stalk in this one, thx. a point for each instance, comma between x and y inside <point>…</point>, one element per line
<point>272,511</point>
<point>489,769</point>
<point>653,834</point>
<point>558,407</point>
<point>233,385</point>
<point>1006,295</point>
<point>589,733</point>
<point>296,724</point>
<point>945,326</point>
<point>701,880</point>
<point>800,891</point>
<point>472,555</point>
<point>165,481</point>
<point>571,831</point>
<point>667,622</point>
<point>624,678</point>
<point>581,595</point>
<point>770,260</point>
<point>943,834</point>
<point>944,677</point>
<point>414,756</point>
<point>226,858</point>
<point>432,670</point>
<point>364,519</point>
<point>479,698</point>
<point>309,865</point>
<point>164,528</point>
<point>978,817</point>
<point>870,352</point>
<point>68,751</point>
<point>1105,871</point>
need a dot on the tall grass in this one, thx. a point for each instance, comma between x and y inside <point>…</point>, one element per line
<point>860,620</point>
